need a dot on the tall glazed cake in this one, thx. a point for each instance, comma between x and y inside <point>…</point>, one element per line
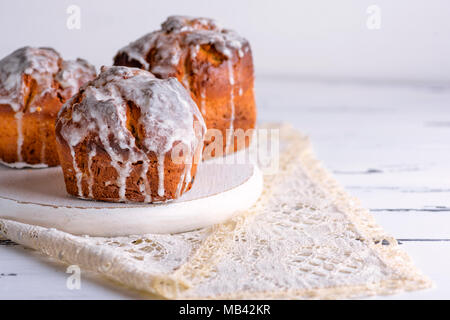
<point>128,136</point>
<point>214,63</point>
<point>34,84</point>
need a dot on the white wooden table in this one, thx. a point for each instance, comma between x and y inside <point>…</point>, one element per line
<point>387,143</point>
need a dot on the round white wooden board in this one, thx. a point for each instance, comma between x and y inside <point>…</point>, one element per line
<point>38,197</point>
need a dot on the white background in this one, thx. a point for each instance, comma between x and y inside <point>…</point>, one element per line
<point>308,39</point>
<point>375,104</point>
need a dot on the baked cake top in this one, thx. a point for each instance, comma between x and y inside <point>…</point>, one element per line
<point>165,47</point>
<point>132,111</point>
<point>29,74</point>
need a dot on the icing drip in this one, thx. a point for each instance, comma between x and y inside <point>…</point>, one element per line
<point>161,190</point>
<point>145,186</point>
<point>232,107</point>
<point>21,165</point>
<point>188,175</point>
<point>194,51</point>
<point>180,183</point>
<point>77,172</point>
<point>19,117</point>
<point>91,154</point>
<point>45,68</point>
<point>202,100</point>
<point>167,115</point>
<point>124,173</point>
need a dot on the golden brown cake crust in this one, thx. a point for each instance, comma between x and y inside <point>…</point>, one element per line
<point>34,84</point>
<point>215,64</point>
<point>130,137</point>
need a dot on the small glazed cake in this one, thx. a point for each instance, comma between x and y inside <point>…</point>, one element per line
<point>215,64</point>
<point>128,136</point>
<point>34,84</point>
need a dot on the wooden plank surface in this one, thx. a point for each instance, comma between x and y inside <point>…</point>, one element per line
<point>387,143</point>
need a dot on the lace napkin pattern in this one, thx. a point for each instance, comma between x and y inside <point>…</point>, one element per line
<point>305,238</point>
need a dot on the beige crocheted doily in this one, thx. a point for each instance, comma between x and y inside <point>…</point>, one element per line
<point>304,238</point>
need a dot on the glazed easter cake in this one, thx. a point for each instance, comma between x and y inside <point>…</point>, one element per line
<point>214,63</point>
<point>129,136</point>
<point>34,84</point>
